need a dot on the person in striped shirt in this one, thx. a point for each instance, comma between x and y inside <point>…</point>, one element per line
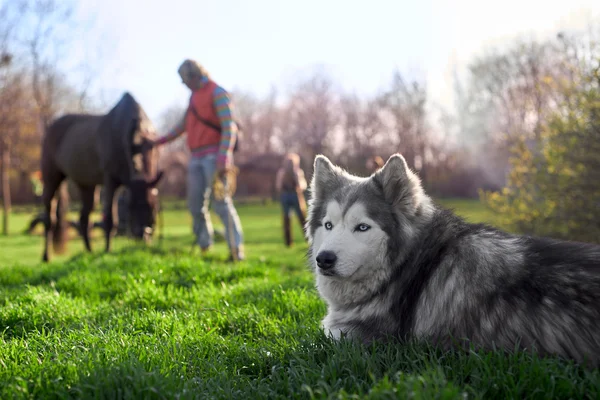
<point>211,135</point>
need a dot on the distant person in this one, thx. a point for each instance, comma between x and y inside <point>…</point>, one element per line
<point>374,163</point>
<point>290,183</point>
<point>211,137</point>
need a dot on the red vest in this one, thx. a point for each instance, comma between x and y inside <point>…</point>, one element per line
<point>199,134</point>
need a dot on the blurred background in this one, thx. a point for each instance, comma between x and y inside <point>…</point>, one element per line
<point>494,102</point>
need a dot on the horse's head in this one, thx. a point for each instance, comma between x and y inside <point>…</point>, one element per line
<point>143,206</point>
<point>135,134</point>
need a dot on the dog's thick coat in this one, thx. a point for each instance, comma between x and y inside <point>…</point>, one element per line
<point>391,263</point>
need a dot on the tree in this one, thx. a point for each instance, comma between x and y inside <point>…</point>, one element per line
<point>10,95</point>
<point>362,125</point>
<point>260,121</point>
<point>310,118</point>
<point>34,87</point>
<point>554,187</point>
<point>510,94</point>
<point>167,120</point>
<point>12,119</point>
<point>405,104</point>
<point>45,44</point>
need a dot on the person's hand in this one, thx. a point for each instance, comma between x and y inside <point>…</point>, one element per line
<point>221,170</point>
<point>223,166</point>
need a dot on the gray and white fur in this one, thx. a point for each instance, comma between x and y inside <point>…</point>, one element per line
<point>391,264</point>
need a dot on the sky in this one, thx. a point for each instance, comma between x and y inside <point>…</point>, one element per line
<point>253,45</point>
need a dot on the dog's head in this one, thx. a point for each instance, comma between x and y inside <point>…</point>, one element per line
<point>358,227</point>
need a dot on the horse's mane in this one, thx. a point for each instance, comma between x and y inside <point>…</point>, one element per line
<point>128,107</point>
<point>140,130</point>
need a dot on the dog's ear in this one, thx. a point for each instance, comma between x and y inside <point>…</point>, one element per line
<point>326,177</point>
<point>401,187</point>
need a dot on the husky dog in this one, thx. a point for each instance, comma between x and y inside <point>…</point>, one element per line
<point>392,264</point>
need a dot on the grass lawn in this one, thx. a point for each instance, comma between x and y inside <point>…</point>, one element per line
<point>162,322</point>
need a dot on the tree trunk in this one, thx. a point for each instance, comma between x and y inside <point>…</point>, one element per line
<point>5,159</point>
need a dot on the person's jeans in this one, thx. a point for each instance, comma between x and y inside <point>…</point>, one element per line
<point>289,202</point>
<point>201,173</point>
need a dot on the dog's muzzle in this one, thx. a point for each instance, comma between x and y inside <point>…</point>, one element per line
<point>326,260</point>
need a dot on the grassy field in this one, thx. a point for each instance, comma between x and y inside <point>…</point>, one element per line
<point>163,322</point>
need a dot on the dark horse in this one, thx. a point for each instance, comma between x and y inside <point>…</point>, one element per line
<point>110,150</point>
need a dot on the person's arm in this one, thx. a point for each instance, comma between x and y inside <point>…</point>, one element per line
<point>223,108</point>
<point>173,134</point>
<point>301,180</point>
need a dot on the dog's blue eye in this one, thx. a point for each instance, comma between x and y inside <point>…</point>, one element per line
<point>328,225</point>
<point>362,227</point>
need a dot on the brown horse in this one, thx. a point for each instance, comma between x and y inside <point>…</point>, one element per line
<point>110,150</point>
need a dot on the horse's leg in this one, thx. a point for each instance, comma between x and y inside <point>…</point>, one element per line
<point>52,179</point>
<point>87,205</point>
<point>39,219</point>
<point>110,187</point>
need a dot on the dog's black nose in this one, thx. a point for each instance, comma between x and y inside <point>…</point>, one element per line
<point>326,259</point>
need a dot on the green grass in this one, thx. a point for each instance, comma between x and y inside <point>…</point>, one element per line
<point>165,323</point>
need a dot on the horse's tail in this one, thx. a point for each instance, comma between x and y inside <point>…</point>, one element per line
<point>59,231</point>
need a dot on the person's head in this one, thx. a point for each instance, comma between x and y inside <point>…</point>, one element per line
<point>192,74</point>
<point>374,163</point>
<point>291,161</point>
